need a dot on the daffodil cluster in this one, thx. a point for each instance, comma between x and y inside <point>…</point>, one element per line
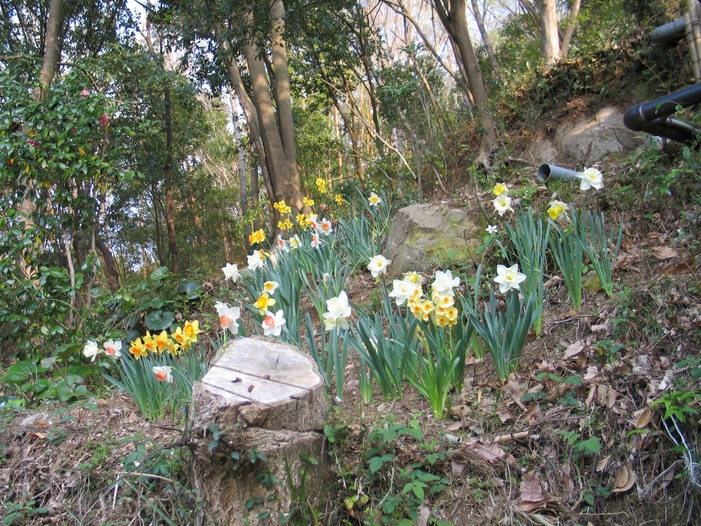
<point>502,203</point>
<point>257,237</point>
<point>321,185</point>
<point>439,307</point>
<point>178,340</point>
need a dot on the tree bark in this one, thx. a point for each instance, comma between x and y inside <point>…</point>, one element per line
<point>52,49</point>
<point>168,182</point>
<point>453,17</point>
<point>110,264</point>
<point>485,37</point>
<point>551,38</point>
<point>571,25</point>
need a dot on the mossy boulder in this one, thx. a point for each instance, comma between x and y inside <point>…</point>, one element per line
<point>427,236</point>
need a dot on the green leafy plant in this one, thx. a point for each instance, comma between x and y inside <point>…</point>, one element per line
<point>529,238</point>
<point>601,246</point>
<point>568,251</point>
<point>505,332</point>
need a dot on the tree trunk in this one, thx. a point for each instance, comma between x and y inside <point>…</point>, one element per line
<point>485,37</point>
<point>110,264</point>
<point>453,18</point>
<point>52,49</point>
<point>550,35</point>
<point>168,181</point>
<point>571,24</point>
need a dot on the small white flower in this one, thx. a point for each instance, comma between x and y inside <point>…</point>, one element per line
<point>502,204</point>
<point>295,242</point>
<point>231,272</point>
<point>272,324</point>
<point>228,316</point>
<point>509,278</point>
<point>163,373</point>
<point>90,350</point>
<point>282,244</point>
<point>374,199</point>
<point>591,178</point>
<point>338,309</point>
<point>378,265</point>
<point>445,283</point>
<point>255,260</point>
<point>403,289</point>
<point>113,348</point>
<point>492,229</point>
<point>325,227</point>
<point>316,241</point>
<point>270,286</point>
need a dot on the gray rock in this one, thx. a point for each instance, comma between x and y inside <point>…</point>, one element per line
<point>426,236</point>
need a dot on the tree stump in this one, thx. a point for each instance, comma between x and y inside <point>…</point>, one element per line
<point>258,416</point>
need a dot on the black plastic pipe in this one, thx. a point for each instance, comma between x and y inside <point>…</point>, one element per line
<point>652,117</point>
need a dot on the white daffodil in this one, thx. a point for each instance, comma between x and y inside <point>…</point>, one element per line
<point>492,229</point>
<point>113,348</point>
<point>402,290</point>
<point>591,178</point>
<point>282,244</point>
<point>295,242</point>
<point>378,265</point>
<point>374,199</point>
<point>163,373</point>
<point>500,188</point>
<point>255,260</point>
<point>272,324</point>
<point>338,309</point>
<point>509,278</point>
<point>413,277</point>
<point>231,272</point>
<point>325,227</point>
<point>270,286</point>
<point>445,283</point>
<point>90,350</point>
<point>557,210</point>
<point>316,241</point>
<point>502,204</point>
<point>228,316</point>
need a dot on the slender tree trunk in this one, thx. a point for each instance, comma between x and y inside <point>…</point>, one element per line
<point>571,25</point>
<point>52,49</point>
<point>452,15</point>
<point>551,38</point>
<point>485,37</point>
<point>168,182</point>
<point>110,264</point>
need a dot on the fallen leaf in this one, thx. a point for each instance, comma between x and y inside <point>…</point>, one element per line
<point>643,419</point>
<point>591,374</point>
<point>590,396</point>
<point>41,436</point>
<point>42,423</point>
<point>424,515</point>
<point>603,464</point>
<point>531,489</point>
<point>664,252</point>
<point>453,426</point>
<point>456,468</point>
<point>487,452</point>
<point>574,349</point>
<point>625,479</point>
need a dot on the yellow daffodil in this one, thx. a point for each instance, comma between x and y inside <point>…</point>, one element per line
<point>138,349</point>
<point>339,199</point>
<point>264,302</point>
<point>500,188</point>
<point>162,342</point>
<point>149,342</point>
<point>257,237</point>
<point>285,225</point>
<point>282,207</point>
<point>308,202</point>
<point>302,220</point>
<point>191,329</point>
<point>320,185</point>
